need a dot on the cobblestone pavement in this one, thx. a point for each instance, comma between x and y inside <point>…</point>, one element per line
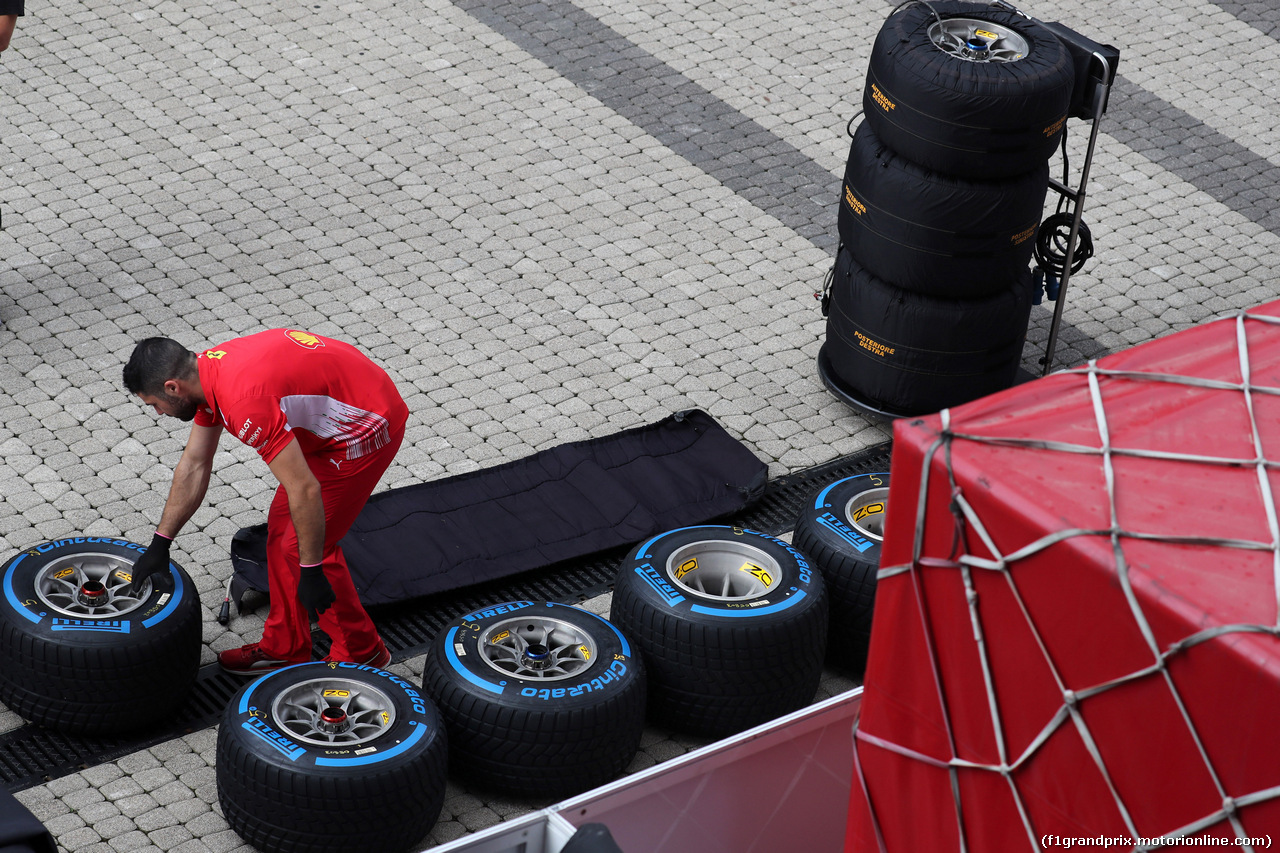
<point>550,221</point>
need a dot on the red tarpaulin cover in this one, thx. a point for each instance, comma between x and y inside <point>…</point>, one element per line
<point>1075,630</point>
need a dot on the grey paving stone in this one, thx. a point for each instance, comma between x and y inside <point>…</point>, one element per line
<point>195,845</point>
<point>64,824</point>
<point>113,827</point>
<point>134,806</point>
<point>84,838</point>
<point>155,819</point>
<point>65,785</point>
<point>35,797</point>
<point>169,837</point>
<point>102,775</point>
<point>173,791</point>
<point>83,800</point>
<point>478,819</point>
<point>129,841</point>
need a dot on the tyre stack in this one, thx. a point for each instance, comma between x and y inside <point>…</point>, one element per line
<point>943,192</point>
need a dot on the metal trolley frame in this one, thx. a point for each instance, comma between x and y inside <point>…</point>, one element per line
<point>1095,73</point>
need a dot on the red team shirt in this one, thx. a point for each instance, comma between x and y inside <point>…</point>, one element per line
<point>281,384</point>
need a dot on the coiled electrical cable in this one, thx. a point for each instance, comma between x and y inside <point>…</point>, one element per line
<point>1052,242</point>
<point>1054,236</point>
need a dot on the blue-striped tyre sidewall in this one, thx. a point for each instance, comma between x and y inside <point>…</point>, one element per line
<point>285,795</point>
<point>646,573</point>
<point>554,736</point>
<point>20,603</point>
<point>826,514</point>
<point>848,560</point>
<point>416,724</point>
<point>91,675</point>
<point>458,644</point>
<point>716,667</point>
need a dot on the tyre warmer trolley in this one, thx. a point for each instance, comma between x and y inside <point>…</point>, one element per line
<point>1058,254</point>
<point>1062,244</point>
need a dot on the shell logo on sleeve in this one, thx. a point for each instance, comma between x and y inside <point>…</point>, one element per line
<point>303,339</point>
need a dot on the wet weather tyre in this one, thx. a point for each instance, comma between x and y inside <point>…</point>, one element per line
<point>540,699</point>
<point>80,653</point>
<point>331,758</point>
<point>902,353</point>
<point>840,529</point>
<point>732,625</point>
<point>984,114</point>
<point>933,233</point>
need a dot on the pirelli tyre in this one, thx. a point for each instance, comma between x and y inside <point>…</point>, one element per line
<point>732,625</point>
<point>540,699</point>
<point>79,652</point>
<point>840,528</point>
<point>897,353</point>
<point>331,758</point>
<point>968,89</point>
<point>934,233</point>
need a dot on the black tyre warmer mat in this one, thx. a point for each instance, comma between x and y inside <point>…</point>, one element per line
<point>31,755</point>
<point>557,504</point>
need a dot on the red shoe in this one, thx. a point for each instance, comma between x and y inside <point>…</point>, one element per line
<point>377,660</point>
<point>250,660</point>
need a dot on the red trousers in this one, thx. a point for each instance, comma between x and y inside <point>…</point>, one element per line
<point>344,488</point>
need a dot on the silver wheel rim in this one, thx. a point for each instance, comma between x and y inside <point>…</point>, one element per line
<point>538,647</point>
<point>865,512</point>
<point>329,711</point>
<point>978,41</point>
<point>90,586</point>
<point>724,570</point>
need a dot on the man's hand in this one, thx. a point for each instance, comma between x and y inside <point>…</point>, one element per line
<point>315,591</point>
<point>7,23</point>
<point>154,561</point>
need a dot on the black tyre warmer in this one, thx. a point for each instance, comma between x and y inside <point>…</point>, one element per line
<point>933,233</point>
<point>565,502</point>
<point>983,120</point>
<point>907,354</point>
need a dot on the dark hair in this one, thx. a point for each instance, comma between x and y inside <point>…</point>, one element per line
<point>154,362</point>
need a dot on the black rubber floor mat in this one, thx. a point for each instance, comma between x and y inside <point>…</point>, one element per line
<point>31,755</point>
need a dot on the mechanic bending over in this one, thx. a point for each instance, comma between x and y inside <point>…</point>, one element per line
<point>328,422</point>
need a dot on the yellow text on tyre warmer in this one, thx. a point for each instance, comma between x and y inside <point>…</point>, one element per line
<point>873,346</point>
<point>880,98</point>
